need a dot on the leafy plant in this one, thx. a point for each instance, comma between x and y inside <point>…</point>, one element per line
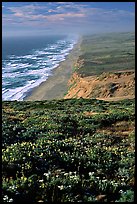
<point>56,152</point>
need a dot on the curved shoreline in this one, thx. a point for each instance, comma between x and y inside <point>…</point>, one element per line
<point>56,86</point>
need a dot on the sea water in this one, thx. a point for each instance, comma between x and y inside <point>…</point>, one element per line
<point>28,61</point>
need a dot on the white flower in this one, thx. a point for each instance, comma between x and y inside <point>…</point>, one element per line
<point>121,191</point>
<point>90,173</point>
<point>61,187</point>
<point>5,197</point>
<point>11,200</point>
<point>46,174</point>
<point>41,180</point>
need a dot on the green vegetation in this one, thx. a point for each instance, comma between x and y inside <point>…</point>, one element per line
<point>68,150</point>
<point>107,53</point>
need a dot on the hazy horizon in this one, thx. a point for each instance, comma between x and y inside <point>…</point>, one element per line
<point>76,18</point>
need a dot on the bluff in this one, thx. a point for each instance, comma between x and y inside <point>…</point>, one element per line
<point>107,86</point>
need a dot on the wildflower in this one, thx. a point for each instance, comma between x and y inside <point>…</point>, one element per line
<point>105,180</point>
<point>61,187</point>
<point>42,185</point>
<point>10,200</point>
<point>45,174</point>
<point>5,197</point>
<point>41,180</point>
<point>90,173</point>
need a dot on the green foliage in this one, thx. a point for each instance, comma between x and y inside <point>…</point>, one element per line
<point>53,151</point>
<point>107,53</point>
<point>127,196</point>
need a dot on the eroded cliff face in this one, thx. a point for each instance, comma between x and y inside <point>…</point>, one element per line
<point>107,86</point>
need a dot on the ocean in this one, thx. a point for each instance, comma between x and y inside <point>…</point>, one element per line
<point>28,61</point>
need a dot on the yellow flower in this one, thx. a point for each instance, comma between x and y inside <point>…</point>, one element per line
<point>41,154</point>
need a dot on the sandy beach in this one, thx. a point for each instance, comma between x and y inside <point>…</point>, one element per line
<point>56,86</point>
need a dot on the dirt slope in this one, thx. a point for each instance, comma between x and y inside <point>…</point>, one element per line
<point>107,86</point>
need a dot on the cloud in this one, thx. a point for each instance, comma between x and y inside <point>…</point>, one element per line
<point>28,9</point>
<point>62,10</point>
<point>56,17</point>
<point>64,16</point>
<point>51,10</point>
<point>19,14</point>
<point>33,12</point>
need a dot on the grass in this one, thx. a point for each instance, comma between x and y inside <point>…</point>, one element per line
<point>59,151</point>
<point>107,53</point>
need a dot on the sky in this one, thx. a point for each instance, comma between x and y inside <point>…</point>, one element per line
<point>47,18</point>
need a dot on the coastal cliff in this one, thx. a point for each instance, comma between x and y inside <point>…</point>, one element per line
<point>107,86</point>
<point>105,68</point>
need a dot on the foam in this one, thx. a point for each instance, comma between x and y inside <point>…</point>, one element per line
<point>41,63</point>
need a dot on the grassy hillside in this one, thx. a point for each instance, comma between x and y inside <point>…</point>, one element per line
<point>106,53</point>
<point>74,150</point>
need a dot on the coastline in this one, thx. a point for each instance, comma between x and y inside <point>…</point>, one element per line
<point>56,86</point>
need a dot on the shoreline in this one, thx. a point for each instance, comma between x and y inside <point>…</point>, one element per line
<point>56,86</point>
